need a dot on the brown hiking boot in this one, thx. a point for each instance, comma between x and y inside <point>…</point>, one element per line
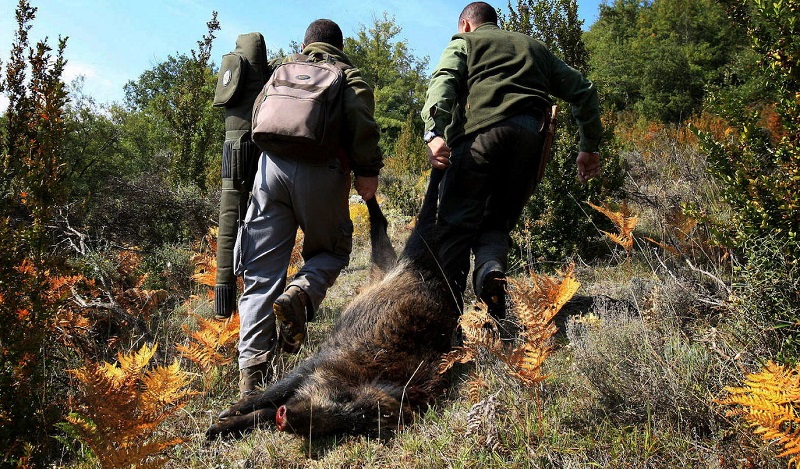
<point>254,377</point>
<point>292,310</point>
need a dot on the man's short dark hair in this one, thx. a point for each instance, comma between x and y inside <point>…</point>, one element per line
<point>479,13</point>
<point>324,30</point>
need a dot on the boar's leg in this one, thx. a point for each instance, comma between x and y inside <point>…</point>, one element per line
<point>272,397</point>
<point>383,254</point>
<point>240,424</point>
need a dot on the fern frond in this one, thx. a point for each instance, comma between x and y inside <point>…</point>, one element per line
<point>166,386</point>
<point>132,364</point>
<point>122,405</point>
<point>670,249</point>
<point>769,402</point>
<point>526,362</point>
<point>457,355</point>
<point>479,328</point>
<point>625,241</point>
<point>536,301</point>
<point>539,298</point>
<point>475,386</point>
<point>212,344</point>
<point>623,220</point>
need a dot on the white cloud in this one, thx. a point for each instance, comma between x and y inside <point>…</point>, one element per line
<point>76,69</point>
<point>3,103</point>
<point>96,83</point>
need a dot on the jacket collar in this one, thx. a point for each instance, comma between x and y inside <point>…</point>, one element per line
<point>323,48</point>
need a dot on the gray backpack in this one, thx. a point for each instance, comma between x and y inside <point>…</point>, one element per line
<point>299,111</point>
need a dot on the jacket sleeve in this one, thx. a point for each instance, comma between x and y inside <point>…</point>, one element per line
<point>571,86</point>
<point>362,132</point>
<point>448,78</point>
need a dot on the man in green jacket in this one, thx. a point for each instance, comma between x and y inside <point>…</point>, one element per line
<point>291,192</point>
<point>483,117</point>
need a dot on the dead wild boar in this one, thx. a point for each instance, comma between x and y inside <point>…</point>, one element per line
<point>380,363</point>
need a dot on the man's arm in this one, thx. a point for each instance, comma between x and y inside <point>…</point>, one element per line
<point>437,112</point>
<point>363,132</point>
<point>570,85</point>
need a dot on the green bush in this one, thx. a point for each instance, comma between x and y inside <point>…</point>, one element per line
<point>767,294</point>
<point>642,372</point>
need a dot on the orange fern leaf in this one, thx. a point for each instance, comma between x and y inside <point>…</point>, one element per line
<point>670,249</point>
<point>212,344</point>
<point>122,405</point>
<point>623,220</point>
<point>479,328</point>
<point>770,403</point>
<point>475,387</point>
<point>457,355</point>
<point>539,298</point>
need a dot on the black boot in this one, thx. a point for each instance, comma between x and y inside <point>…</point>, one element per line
<point>490,287</point>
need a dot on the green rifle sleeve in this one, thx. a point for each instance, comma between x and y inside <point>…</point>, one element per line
<point>242,75</point>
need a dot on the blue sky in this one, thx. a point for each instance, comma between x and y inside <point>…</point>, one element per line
<point>114,41</point>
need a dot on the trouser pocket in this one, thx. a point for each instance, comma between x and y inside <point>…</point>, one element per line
<point>239,248</point>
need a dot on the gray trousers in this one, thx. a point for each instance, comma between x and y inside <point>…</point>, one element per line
<point>288,194</point>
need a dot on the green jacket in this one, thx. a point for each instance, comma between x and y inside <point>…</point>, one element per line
<point>361,132</point>
<point>490,74</point>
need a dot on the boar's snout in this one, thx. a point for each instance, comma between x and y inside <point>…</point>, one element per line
<point>280,418</point>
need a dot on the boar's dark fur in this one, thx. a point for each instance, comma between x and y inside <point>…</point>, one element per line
<point>380,363</point>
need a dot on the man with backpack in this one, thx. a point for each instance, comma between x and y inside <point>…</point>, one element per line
<point>306,184</point>
<point>486,106</point>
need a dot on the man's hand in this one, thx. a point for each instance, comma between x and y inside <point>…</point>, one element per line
<point>438,153</point>
<point>366,186</point>
<point>588,165</point>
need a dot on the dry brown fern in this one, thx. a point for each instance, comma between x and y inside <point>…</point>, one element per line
<point>478,330</point>
<point>212,344</point>
<point>769,402</point>
<point>475,387</point>
<point>623,220</point>
<point>482,423</point>
<point>536,301</point>
<point>121,406</point>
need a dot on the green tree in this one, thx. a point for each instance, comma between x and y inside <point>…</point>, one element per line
<point>659,57</point>
<point>396,75</point>
<point>760,168</point>
<point>609,42</point>
<point>179,92</point>
<point>31,188</point>
<point>757,162</point>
